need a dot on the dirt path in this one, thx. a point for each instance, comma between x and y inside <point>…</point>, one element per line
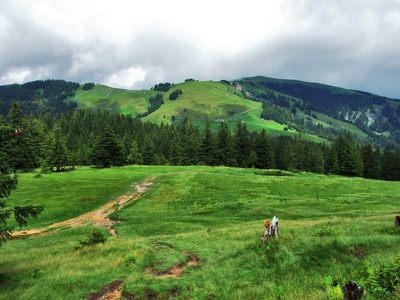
<point>98,217</point>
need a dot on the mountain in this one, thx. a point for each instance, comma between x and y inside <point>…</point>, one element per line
<point>283,107</point>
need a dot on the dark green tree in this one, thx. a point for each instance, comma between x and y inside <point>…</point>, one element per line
<point>207,151</point>
<point>8,183</point>
<point>242,145</point>
<point>389,169</point>
<point>107,151</point>
<point>149,153</point>
<point>371,162</point>
<point>134,156</point>
<point>264,151</point>
<point>225,146</point>
<point>56,148</point>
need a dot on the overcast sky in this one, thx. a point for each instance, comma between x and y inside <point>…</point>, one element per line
<point>136,44</point>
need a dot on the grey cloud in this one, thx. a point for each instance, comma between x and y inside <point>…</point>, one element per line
<point>353,44</point>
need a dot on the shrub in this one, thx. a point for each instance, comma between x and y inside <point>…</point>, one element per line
<point>386,278</point>
<point>389,230</point>
<point>326,231</point>
<point>130,259</point>
<point>175,94</point>
<point>88,86</point>
<point>95,237</point>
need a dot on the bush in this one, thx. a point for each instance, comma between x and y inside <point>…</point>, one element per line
<point>326,231</point>
<point>175,94</point>
<point>88,86</point>
<point>162,87</point>
<point>389,230</point>
<point>95,237</point>
<point>130,259</point>
<point>386,278</point>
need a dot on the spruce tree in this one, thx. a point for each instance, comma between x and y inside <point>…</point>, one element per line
<point>106,151</point>
<point>242,144</point>
<point>389,170</point>
<point>149,154</point>
<point>8,183</point>
<point>207,151</point>
<point>264,151</point>
<point>225,146</point>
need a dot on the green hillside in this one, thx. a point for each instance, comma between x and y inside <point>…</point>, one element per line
<point>216,101</point>
<point>114,100</point>
<point>283,107</point>
<point>195,234</point>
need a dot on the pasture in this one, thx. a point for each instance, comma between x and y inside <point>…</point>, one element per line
<point>195,234</point>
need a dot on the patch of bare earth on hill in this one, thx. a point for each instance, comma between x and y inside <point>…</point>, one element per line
<point>110,291</point>
<point>175,270</point>
<point>98,217</point>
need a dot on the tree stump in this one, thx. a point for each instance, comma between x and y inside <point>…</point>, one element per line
<point>397,221</point>
<point>271,229</point>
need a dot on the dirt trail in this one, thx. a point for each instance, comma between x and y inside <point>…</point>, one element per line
<point>98,217</point>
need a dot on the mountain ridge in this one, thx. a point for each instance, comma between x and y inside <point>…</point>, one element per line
<point>282,106</point>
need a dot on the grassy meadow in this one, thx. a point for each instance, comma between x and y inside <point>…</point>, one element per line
<point>330,232</point>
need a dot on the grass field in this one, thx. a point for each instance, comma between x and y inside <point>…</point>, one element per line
<point>213,216</point>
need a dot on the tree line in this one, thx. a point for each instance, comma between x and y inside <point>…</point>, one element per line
<point>83,137</point>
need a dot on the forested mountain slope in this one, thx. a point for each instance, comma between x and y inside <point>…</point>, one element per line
<point>282,107</point>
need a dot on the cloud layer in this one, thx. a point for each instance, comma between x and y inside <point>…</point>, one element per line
<point>353,43</point>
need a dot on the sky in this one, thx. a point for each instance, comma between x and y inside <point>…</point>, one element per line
<point>136,44</point>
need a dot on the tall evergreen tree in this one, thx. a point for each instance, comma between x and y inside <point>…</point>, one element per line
<point>389,170</point>
<point>207,151</point>
<point>242,144</point>
<point>107,150</point>
<point>57,153</point>
<point>149,154</point>
<point>371,162</point>
<point>264,151</point>
<point>8,183</point>
<point>225,146</point>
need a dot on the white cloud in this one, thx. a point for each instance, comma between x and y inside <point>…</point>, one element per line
<point>351,43</point>
<point>16,75</point>
<point>125,78</point>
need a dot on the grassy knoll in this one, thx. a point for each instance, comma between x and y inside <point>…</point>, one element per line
<point>162,231</point>
<point>115,100</point>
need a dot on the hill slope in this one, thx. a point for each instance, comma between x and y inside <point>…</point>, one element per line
<point>283,107</point>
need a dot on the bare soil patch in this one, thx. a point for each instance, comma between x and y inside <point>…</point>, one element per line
<point>98,217</point>
<point>110,291</point>
<point>176,269</point>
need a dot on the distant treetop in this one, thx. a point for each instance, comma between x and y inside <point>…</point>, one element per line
<point>88,86</point>
<point>162,87</point>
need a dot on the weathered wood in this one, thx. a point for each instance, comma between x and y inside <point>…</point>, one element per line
<point>397,221</point>
<point>271,229</point>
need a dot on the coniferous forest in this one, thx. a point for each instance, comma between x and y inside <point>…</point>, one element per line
<point>81,137</point>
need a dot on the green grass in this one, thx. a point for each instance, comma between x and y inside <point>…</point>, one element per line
<point>162,229</point>
<point>115,100</point>
<point>200,100</point>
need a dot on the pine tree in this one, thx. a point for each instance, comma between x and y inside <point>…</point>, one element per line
<point>15,146</point>
<point>57,153</point>
<point>149,154</point>
<point>134,156</point>
<point>242,144</point>
<point>370,161</point>
<point>175,151</point>
<point>107,151</point>
<point>8,183</point>
<point>389,170</point>
<point>225,146</point>
<point>207,152</point>
<point>264,151</point>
